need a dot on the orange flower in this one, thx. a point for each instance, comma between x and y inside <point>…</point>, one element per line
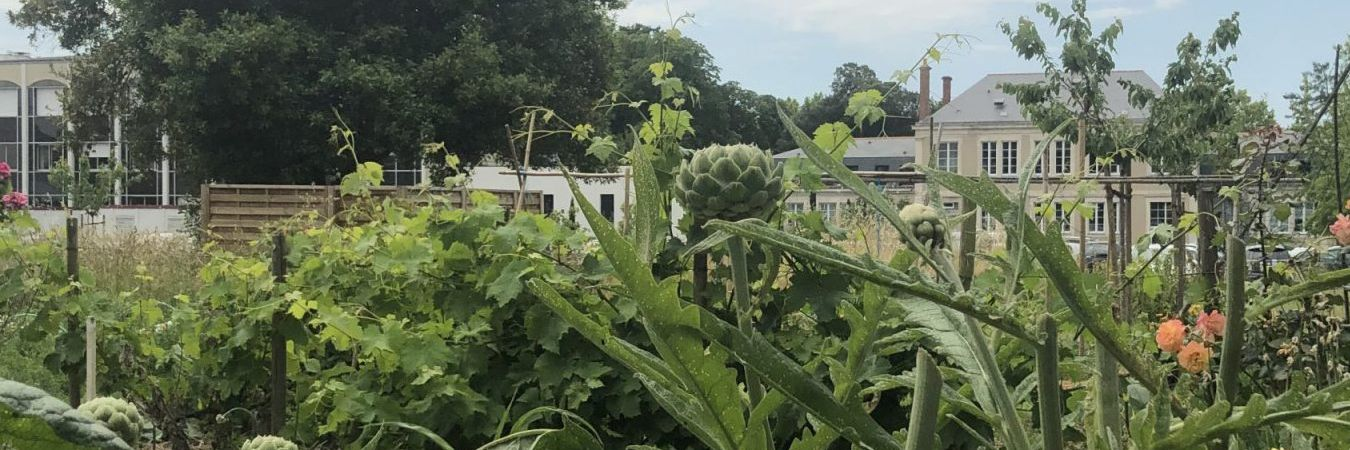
<point>1170,335</point>
<point>1341,229</point>
<point>1211,324</point>
<point>1194,357</point>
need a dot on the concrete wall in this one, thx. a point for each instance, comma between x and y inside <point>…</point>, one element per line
<point>554,185</point>
<point>143,220</point>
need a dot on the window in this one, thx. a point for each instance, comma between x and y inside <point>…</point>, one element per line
<point>795,207</point>
<point>1300,216</point>
<point>852,167</point>
<point>1112,169</point>
<point>946,156</point>
<point>548,203</point>
<point>1062,158</point>
<point>989,157</point>
<point>986,221</point>
<point>607,206</point>
<point>1009,157</point>
<point>1039,164</point>
<point>827,210</point>
<point>1159,213</point>
<point>1097,223</point>
<point>1061,217</point>
<point>1276,225</point>
<point>952,208</point>
<point>883,168</point>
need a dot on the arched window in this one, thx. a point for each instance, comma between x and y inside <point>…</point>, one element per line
<point>44,98</point>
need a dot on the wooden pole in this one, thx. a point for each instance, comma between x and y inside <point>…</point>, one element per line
<point>277,406</point>
<point>1208,257</point>
<point>73,323</point>
<point>1082,221</point>
<point>1111,218</point>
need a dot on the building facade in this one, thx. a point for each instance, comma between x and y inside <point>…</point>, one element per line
<point>983,130</point>
<point>31,142</point>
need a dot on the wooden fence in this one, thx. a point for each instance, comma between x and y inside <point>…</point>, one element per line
<point>236,214</point>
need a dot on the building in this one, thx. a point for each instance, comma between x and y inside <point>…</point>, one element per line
<point>983,130</point>
<point>877,154</point>
<point>31,143</point>
<point>612,193</point>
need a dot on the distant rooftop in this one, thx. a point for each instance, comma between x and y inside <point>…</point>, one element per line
<point>22,57</point>
<point>875,147</point>
<point>986,103</point>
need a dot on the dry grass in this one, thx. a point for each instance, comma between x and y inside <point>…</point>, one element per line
<point>154,265</point>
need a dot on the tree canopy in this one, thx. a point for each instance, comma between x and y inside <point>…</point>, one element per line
<point>247,91</point>
<point>901,106</point>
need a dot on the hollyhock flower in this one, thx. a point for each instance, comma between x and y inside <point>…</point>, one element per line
<point>15,200</point>
<point>1341,229</point>
<point>4,171</point>
<point>1194,357</point>
<point>1170,335</point>
<point>1211,324</point>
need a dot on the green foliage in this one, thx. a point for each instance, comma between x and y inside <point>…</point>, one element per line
<point>29,418</point>
<point>119,416</point>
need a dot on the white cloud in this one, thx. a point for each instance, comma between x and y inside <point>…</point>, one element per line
<point>850,21</point>
<point>1167,4</point>
<point>1114,12</point>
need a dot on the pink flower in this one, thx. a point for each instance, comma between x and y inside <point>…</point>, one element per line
<point>15,200</point>
<point>1341,229</point>
<point>4,171</point>
<point>1211,324</point>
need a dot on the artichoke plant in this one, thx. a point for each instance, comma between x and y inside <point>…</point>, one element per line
<point>729,182</point>
<point>269,443</point>
<point>119,416</point>
<point>926,223</point>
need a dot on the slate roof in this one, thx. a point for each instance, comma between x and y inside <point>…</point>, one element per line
<point>875,147</point>
<point>980,103</point>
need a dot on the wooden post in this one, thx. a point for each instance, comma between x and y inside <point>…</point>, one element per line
<point>277,406</point>
<point>73,323</point>
<point>1082,221</point>
<point>1179,255</point>
<point>204,214</point>
<point>1111,218</point>
<point>1208,257</point>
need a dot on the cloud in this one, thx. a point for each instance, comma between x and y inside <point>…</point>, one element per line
<point>1114,12</point>
<point>1167,4</point>
<point>849,21</point>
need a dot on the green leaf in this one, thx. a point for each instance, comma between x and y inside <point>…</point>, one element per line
<point>836,137</point>
<point>868,270</point>
<point>29,418</point>
<point>1059,266</point>
<point>864,107</point>
<point>508,284</point>
<point>602,148</point>
<point>782,374</point>
<point>649,218</point>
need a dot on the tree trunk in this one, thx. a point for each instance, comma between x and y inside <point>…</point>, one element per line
<point>1209,255</point>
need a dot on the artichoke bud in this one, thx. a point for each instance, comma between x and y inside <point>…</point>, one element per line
<point>269,443</point>
<point>926,223</point>
<point>117,415</point>
<point>730,182</point>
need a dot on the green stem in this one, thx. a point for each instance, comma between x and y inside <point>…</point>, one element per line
<point>1109,420</point>
<point>1230,358</point>
<point>745,308</point>
<point>923,414</point>
<point>1047,380</point>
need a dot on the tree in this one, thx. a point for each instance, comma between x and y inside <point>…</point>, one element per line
<point>727,113</point>
<point>247,91</point>
<point>901,106</point>
<point>1315,92</point>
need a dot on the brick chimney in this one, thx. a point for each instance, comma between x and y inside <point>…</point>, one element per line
<point>946,90</point>
<point>925,108</point>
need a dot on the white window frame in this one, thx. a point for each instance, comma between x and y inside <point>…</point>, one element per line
<point>1008,152</point>
<point>1166,208</point>
<point>828,210</point>
<point>948,153</point>
<point>1062,159</point>
<point>989,157</point>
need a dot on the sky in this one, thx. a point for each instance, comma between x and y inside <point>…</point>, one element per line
<point>789,48</point>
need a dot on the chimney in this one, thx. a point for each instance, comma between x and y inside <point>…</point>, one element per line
<point>946,90</point>
<point>925,107</point>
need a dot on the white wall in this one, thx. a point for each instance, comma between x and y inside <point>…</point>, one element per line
<point>551,182</point>
<point>144,220</point>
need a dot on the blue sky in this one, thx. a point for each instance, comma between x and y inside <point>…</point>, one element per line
<point>791,47</point>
